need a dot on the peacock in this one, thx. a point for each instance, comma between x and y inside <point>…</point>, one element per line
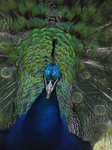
<point>55,74</point>
<point>42,127</point>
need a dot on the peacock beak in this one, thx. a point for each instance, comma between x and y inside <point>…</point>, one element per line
<point>49,87</point>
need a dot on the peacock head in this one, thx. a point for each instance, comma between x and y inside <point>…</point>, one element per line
<point>51,73</point>
<point>51,77</point>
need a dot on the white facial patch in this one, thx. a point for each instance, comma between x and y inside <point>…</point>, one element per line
<point>49,87</point>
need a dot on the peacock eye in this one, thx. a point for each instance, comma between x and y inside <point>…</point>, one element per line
<point>102,128</point>
<point>98,130</point>
<point>4,45</point>
<point>100,110</point>
<point>85,75</point>
<point>95,133</point>
<point>77,97</point>
<point>6,72</point>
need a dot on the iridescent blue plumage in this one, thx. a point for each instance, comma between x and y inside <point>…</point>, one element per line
<point>52,73</point>
<point>43,128</point>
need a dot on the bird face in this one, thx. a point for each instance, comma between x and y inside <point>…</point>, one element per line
<point>49,87</point>
<point>51,77</point>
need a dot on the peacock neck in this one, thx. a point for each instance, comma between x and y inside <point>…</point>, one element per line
<point>44,116</point>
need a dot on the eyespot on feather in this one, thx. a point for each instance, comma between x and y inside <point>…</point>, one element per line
<point>102,128</point>
<point>77,97</point>
<point>6,72</point>
<point>85,75</point>
<point>4,45</point>
<point>100,110</point>
<point>95,133</point>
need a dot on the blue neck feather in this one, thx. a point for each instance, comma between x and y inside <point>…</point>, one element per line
<point>42,128</point>
<point>43,114</point>
<point>43,120</point>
